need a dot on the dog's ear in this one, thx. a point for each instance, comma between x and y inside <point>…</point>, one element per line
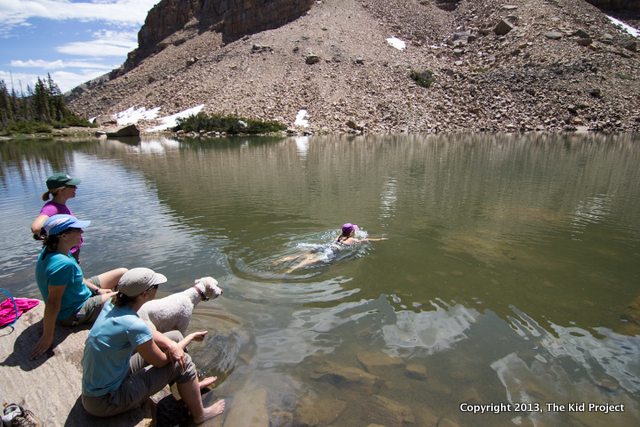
<point>207,281</point>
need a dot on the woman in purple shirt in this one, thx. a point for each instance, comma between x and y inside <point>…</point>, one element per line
<point>62,187</point>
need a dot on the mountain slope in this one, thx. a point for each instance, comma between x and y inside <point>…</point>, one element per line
<point>562,65</point>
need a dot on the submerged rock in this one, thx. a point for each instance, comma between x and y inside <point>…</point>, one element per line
<point>416,372</point>
<point>281,419</point>
<point>387,412</point>
<point>347,378</point>
<point>248,409</point>
<point>321,411</point>
<point>376,362</point>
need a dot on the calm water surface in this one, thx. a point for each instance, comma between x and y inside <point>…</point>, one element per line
<point>506,277</point>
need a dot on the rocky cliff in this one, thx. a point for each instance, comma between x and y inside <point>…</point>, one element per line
<point>233,19</point>
<point>624,5</point>
<point>556,65</point>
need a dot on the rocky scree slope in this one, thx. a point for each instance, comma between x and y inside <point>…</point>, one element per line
<point>552,65</point>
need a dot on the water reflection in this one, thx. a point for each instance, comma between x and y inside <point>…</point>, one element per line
<point>427,332</point>
<point>509,264</point>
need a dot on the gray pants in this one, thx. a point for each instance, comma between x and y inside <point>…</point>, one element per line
<point>142,382</point>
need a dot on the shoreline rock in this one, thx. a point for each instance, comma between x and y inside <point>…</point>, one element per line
<point>51,386</point>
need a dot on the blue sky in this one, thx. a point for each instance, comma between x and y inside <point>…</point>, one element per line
<point>73,40</point>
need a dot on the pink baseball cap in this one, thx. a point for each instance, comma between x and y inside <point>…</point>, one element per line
<point>348,228</point>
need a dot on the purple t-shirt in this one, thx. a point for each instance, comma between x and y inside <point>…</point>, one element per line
<point>52,208</point>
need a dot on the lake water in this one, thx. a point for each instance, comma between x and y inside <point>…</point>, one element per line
<point>506,278</point>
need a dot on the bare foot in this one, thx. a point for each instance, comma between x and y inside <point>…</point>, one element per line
<point>207,382</point>
<point>210,412</point>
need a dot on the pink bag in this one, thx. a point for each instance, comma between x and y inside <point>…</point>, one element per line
<point>8,308</point>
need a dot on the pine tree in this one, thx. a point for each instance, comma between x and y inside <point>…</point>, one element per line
<point>40,102</point>
<point>44,103</point>
<point>6,113</point>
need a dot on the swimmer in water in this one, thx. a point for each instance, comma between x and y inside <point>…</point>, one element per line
<point>346,238</point>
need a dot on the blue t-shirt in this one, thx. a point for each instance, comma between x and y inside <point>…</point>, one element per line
<point>108,349</point>
<point>58,269</point>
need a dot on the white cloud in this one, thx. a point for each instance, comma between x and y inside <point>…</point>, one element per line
<point>64,79</point>
<point>124,15</point>
<point>56,65</point>
<point>105,43</point>
<point>128,12</point>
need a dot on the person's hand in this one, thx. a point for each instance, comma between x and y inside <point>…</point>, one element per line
<point>383,238</point>
<point>108,292</point>
<point>176,354</point>
<point>198,336</point>
<point>43,344</point>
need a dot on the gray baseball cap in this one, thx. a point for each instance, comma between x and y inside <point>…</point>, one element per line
<point>137,280</point>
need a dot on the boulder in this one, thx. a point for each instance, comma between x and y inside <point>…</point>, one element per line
<point>312,59</point>
<point>257,48</point>
<point>503,27</point>
<point>632,46</point>
<point>607,39</point>
<point>447,5</point>
<point>106,119</point>
<point>553,35</point>
<point>461,38</point>
<point>129,130</point>
<point>595,92</point>
<point>581,34</point>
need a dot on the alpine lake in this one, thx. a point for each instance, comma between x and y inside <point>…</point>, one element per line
<point>506,294</point>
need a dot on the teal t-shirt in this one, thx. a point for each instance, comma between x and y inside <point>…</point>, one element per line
<point>108,349</point>
<point>58,269</point>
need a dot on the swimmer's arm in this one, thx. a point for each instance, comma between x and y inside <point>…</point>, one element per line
<point>373,240</point>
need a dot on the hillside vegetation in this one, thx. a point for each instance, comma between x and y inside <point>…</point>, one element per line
<point>37,111</point>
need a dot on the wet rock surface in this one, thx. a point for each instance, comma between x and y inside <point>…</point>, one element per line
<point>58,373</point>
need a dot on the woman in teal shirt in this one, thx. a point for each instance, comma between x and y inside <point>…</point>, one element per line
<point>70,298</point>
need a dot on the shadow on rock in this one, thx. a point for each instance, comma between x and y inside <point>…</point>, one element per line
<point>26,341</point>
<point>164,408</point>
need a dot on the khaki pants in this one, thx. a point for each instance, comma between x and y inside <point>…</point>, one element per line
<point>89,311</point>
<point>142,382</point>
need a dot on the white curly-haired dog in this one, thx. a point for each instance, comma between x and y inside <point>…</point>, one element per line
<point>174,312</point>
